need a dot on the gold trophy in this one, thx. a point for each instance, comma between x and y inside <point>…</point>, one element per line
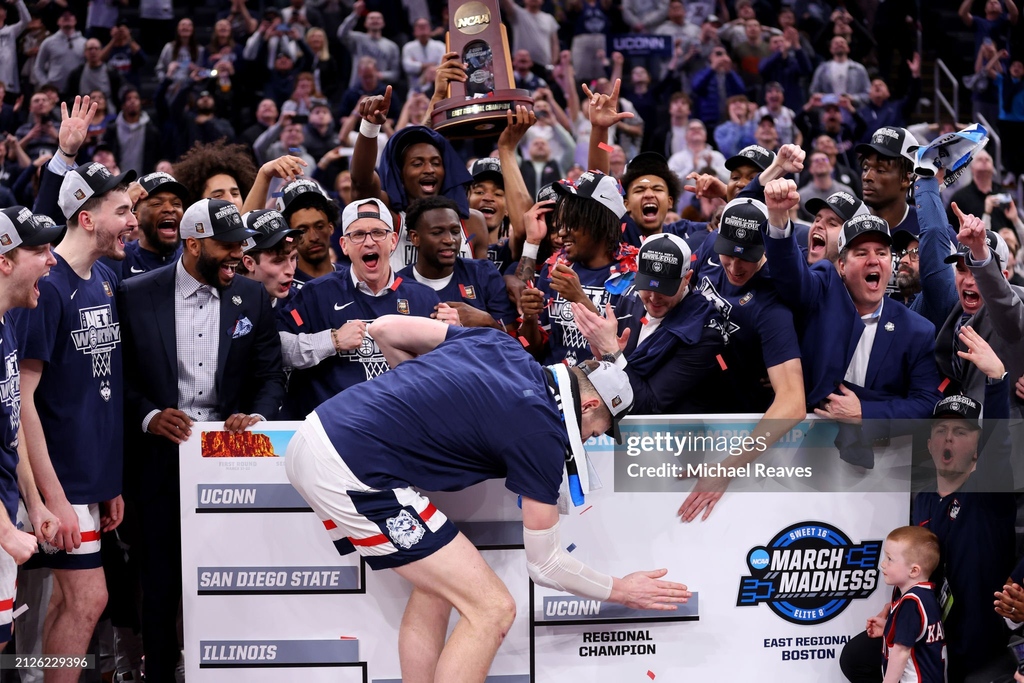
<point>477,107</point>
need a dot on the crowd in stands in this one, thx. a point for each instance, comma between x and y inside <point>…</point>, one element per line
<point>744,222</point>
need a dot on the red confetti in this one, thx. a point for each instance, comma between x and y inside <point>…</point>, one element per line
<point>945,383</point>
<point>721,361</point>
<point>623,226</point>
<point>605,146</point>
<point>522,340</point>
<point>530,285</point>
<point>297,318</point>
<point>650,674</point>
<point>643,321</point>
<point>349,638</point>
<point>394,285</point>
<point>586,508</point>
<point>693,257</point>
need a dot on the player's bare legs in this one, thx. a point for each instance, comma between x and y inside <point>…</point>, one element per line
<point>79,596</point>
<point>458,574</point>
<point>421,637</point>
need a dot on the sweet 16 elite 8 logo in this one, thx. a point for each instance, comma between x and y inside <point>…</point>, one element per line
<point>809,573</point>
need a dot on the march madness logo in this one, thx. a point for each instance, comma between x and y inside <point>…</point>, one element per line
<point>809,573</point>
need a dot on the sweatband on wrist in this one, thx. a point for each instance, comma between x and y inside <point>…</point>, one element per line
<point>531,250</point>
<point>368,130</point>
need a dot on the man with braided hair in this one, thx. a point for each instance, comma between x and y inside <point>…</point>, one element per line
<point>593,267</point>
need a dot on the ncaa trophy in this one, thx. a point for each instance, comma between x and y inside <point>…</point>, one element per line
<point>477,107</point>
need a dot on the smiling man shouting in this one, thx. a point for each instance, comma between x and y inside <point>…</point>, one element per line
<point>345,302</point>
<point>866,359</point>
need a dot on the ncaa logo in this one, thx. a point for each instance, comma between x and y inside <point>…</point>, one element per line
<point>809,573</point>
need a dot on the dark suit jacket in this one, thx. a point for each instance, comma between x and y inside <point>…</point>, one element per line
<point>1000,322</point>
<point>249,375</point>
<point>550,174</point>
<point>902,378</point>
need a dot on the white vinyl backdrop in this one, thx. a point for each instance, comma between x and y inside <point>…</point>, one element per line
<point>267,597</point>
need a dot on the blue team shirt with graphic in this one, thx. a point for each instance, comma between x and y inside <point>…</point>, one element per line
<point>915,621</point>
<point>757,328</point>
<point>566,342</point>
<point>327,303</point>
<point>478,283</point>
<point>10,417</point>
<point>477,407</point>
<point>76,333</point>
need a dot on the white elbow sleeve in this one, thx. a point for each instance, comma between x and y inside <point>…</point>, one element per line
<point>551,566</point>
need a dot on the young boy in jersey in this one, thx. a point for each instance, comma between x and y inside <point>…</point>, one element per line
<point>913,640</point>
<point>270,255</point>
<point>473,287</point>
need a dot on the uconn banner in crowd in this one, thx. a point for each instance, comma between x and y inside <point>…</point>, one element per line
<point>783,571</point>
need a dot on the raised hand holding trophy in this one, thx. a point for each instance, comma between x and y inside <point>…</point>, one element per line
<point>476,107</point>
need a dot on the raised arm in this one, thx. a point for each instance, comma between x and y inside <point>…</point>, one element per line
<point>604,114</point>
<point>965,12</point>
<point>798,286</point>
<point>518,199</point>
<point>365,181</point>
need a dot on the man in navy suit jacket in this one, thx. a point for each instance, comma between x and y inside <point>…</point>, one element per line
<point>199,344</point>
<point>868,361</point>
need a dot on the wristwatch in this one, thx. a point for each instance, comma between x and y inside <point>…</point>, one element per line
<point>611,357</point>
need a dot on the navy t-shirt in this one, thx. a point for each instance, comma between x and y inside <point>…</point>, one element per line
<point>478,283</point>
<point>76,333</point>
<point>10,417</point>
<point>976,538</point>
<point>302,277</point>
<point>757,329</point>
<point>477,407</point>
<point>566,342</point>
<point>327,303</point>
<point>500,254</point>
<point>138,261</point>
<point>915,621</point>
<point>683,228</point>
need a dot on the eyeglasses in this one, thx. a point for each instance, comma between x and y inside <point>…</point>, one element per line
<point>359,236</point>
<point>913,253</point>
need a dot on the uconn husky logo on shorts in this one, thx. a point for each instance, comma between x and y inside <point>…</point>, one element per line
<point>405,530</point>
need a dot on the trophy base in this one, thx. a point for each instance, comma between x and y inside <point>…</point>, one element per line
<point>461,118</point>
